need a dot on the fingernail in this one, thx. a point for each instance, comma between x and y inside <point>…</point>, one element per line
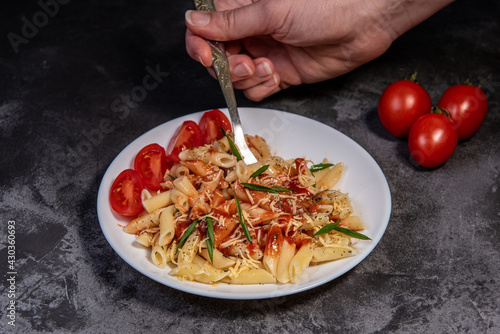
<point>271,82</point>
<point>200,60</point>
<point>242,70</point>
<point>196,18</point>
<point>263,69</point>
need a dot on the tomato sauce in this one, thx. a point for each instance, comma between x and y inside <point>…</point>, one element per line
<point>252,249</point>
<point>295,186</point>
<point>181,226</point>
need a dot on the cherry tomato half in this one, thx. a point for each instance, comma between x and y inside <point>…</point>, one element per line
<point>188,135</point>
<point>432,139</point>
<point>151,163</point>
<point>125,193</point>
<point>210,125</point>
<point>467,106</point>
<point>401,104</point>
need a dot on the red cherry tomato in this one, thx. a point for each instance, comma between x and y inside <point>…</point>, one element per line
<point>125,193</point>
<point>432,139</point>
<point>151,163</point>
<point>210,125</point>
<point>467,106</point>
<point>188,135</point>
<point>401,104</point>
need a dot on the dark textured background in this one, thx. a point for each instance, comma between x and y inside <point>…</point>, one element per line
<point>436,270</point>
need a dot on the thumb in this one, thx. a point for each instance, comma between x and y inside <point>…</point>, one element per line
<point>247,21</point>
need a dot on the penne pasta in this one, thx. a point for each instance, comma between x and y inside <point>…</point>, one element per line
<point>185,186</point>
<point>219,220</point>
<point>322,254</point>
<point>220,261</point>
<point>258,146</point>
<point>253,276</point>
<point>319,174</point>
<point>221,159</point>
<point>207,273</point>
<point>287,252</point>
<point>272,250</point>
<point>222,145</point>
<point>195,153</point>
<point>167,226</point>
<point>158,201</point>
<point>144,238</point>
<point>198,167</point>
<point>160,256</point>
<point>181,171</point>
<point>330,179</point>
<point>354,223</point>
<point>186,271</point>
<point>243,172</point>
<point>300,262</point>
<point>180,200</point>
<point>189,250</point>
<point>143,222</point>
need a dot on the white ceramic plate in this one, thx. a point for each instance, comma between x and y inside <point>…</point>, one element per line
<point>290,136</point>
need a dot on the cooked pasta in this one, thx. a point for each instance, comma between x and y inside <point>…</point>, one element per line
<point>218,220</point>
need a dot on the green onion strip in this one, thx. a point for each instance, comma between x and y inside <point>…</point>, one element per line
<point>258,187</point>
<point>242,219</point>
<point>211,238</point>
<point>186,234</point>
<point>318,167</point>
<point>233,147</point>
<point>260,171</point>
<point>334,226</point>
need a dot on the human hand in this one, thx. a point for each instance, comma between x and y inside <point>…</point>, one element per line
<point>273,45</point>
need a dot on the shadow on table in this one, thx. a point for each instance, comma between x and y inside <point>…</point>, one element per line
<point>401,151</point>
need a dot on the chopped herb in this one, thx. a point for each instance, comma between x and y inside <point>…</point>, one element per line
<point>258,187</point>
<point>233,147</point>
<point>186,234</point>
<point>327,228</point>
<point>242,219</point>
<point>260,171</point>
<point>211,238</point>
<point>346,231</point>
<point>171,177</point>
<point>318,167</point>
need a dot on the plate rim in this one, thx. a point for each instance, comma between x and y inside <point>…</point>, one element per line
<point>202,289</point>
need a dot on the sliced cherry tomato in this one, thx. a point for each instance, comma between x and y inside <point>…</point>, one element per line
<point>151,163</point>
<point>432,139</point>
<point>467,105</point>
<point>210,125</point>
<point>188,135</point>
<point>401,104</point>
<point>125,193</point>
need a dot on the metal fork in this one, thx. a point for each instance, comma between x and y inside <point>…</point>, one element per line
<point>220,65</point>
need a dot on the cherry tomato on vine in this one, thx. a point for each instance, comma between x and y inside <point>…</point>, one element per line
<point>210,125</point>
<point>125,193</point>
<point>401,104</point>
<point>188,135</point>
<point>151,162</point>
<point>432,139</point>
<point>467,105</point>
